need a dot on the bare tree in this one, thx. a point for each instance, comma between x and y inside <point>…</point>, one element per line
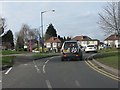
<point>2,25</point>
<point>108,20</point>
<point>25,35</point>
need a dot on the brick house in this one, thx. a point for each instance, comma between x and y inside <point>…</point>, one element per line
<point>85,40</point>
<point>53,44</point>
<point>112,40</point>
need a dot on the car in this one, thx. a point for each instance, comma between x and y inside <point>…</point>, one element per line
<point>91,48</point>
<point>71,51</point>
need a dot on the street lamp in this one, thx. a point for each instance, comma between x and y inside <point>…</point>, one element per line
<point>42,26</point>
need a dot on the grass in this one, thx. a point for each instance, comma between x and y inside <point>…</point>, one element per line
<point>8,60</point>
<point>107,50</point>
<point>108,57</point>
<point>111,61</point>
<point>43,55</point>
<point>7,52</point>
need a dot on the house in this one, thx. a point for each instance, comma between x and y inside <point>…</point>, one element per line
<point>94,41</point>
<point>112,40</point>
<point>53,44</point>
<point>85,40</point>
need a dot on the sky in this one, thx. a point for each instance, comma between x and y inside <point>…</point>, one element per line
<point>69,19</point>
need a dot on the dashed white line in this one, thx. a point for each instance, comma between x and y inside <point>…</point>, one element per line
<point>8,70</point>
<point>77,83</point>
<point>46,61</point>
<point>0,81</point>
<point>48,84</point>
<point>43,68</point>
<point>38,70</point>
<point>25,64</point>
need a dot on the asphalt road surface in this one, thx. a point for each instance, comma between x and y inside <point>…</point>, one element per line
<point>54,73</point>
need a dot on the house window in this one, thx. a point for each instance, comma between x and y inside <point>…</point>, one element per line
<point>58,44</point>
<point>48,45</point>
<point>54,44</point>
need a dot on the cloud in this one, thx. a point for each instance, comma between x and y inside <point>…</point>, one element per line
<point>1,9</point>
<point>86,14</point>
<point>68,18</point>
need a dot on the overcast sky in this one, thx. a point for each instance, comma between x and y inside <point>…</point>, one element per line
<point>69,19</point>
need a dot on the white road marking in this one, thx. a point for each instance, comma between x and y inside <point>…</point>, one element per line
<point>48,84</point>
<point>77,83</point>
<point>38,70</point>
<point>51,57</point>
<point>25,64</point>
<point>8,70</point>
<point>46,61</point>
<point>34,62</point>
<point>0,81</point>
<point>43,68</point>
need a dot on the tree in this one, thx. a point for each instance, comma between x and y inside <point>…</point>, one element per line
<point>64,38</point>
<point>2,25</point>
<point>24,36</point>
<point>68,38</point>
<point>60,38</point>
<point>20,43</point>
<point>8,38</point>
<point>108,20</point>
<point>50,32</point>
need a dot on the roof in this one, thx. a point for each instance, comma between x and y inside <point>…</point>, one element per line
<point>82,38</point>
<point>112,37</point>
<point>53,39</point>
<point>71,41</point>
<point>94,40</point>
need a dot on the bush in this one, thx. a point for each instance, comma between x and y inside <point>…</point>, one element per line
<point>102,55</point>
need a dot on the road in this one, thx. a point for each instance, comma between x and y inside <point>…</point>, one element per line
<point>53,73</point>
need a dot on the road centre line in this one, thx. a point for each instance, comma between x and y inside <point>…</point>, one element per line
<point>43,68</point>
<point>38,70</point>
<point>101,72</point>
<point>46,61</point>
<point>48,84</point>
<point>8,70</point>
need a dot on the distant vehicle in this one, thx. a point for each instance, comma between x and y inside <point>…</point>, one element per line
<point>101,47</point>
<point>91,48</point>
<point>82,48</point>
<point>35,51</point>
<point>118,46</point>
<point>71,51</point>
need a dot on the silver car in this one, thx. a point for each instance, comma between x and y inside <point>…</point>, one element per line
<point>71,51</point>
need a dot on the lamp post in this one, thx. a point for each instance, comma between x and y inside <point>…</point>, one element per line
<point>42,27</point>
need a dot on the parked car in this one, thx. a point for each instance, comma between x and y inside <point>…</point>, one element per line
<point>91,48</point>
<point>71,51</point>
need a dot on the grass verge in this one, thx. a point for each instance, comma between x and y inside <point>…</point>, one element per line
<point>9,60</point>
<point>44,55</point>
<point>7,52</point>
<point>6,62</point>
<point>111,61</point>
